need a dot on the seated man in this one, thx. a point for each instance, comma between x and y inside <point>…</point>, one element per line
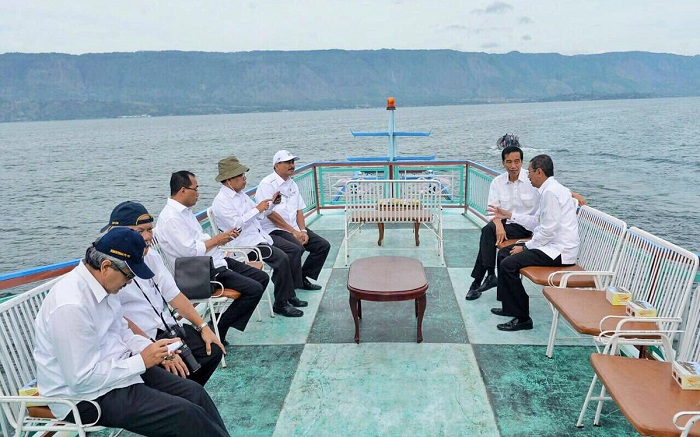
<point>180,234</point>
<point>511,191</point>
<point>554,242</point>
<point>85,350</point>
<point>285,220</point>
<point>144,301</point>
<point>234,209</point>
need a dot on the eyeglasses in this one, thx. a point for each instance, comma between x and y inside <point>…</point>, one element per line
<point>129,276</point>
<point>193,189</point>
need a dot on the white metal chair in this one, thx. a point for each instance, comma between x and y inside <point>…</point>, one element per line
<point>651,268</point>
<point>600,238</point>
<point>645,390</point>
<point>208,308</point>
<point>29,414</point>
<point>380,201</point>
<point>243,251</point>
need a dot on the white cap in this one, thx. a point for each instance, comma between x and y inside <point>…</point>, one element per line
<point>282,156</point>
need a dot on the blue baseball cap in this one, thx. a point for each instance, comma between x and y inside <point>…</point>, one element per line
<point>128,214</point>
<point>127,245</point>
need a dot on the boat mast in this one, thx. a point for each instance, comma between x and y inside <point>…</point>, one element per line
<point>392,134</point>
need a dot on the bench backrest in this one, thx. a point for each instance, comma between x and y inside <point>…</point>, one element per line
<point>17,366</point>
<point>689,347</point>
<point>600,238</point>
<point>656,271</point>
<point>398,200</point>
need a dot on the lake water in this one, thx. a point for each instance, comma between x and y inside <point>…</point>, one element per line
<point>635,159</point>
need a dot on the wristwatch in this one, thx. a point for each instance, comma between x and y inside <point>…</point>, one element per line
<point>199,328</point>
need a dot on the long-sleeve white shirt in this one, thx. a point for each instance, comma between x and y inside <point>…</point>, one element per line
<point>288,207</point>
<point>519,197</point>
<point>234,209</point>
<point>84,347</point>
<point>135,306</point>
<point>555,223</point>
<point>180,234</point>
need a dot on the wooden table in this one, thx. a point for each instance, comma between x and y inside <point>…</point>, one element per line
<point>387,279</point>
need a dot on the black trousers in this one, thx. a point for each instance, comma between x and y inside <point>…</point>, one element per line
<point>199,351</point>
<point>510,290</point>
<point>248,281</point>
<point>282,271</point>
<point>165,405</point>
<point>317,246</point>
<point>487,246</point>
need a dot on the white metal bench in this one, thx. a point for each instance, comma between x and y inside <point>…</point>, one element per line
<point>417,202</point>
<point>17,368</point>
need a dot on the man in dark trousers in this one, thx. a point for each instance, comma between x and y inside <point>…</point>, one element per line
<point>85,350</point>
<point>554,242</point>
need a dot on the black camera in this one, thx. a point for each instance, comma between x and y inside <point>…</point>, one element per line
<point>185,352</point>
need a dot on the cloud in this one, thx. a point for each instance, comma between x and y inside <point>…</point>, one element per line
<point>498,8</point>
<point>494,8</point>
<point>455,27</point>
<point>526,38</point>
<point>524,20</point>
<point>489,45</point>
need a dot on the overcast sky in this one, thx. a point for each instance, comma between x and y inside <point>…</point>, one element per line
<point>532,26</point>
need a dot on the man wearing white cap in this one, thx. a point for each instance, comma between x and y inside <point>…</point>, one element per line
<point>234,209</point>
<point>285,219</point>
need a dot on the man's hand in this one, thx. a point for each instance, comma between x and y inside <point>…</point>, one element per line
<point>580,198</point>
<point>498,213</point>
<point>500,232</point>
<point>303,237</point>
<point>209,337</point>
<point>264,205</point>
<point>155,353</point>
<point>176,366</point>
<point>516,249</point>
<point>225,237</point>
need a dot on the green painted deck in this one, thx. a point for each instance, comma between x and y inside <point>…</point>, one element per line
<point>306,376</point>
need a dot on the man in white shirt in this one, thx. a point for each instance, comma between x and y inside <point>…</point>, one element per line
<point>179,234</point>
<point>554,242</point>
<point>85,350</point>
<point>512,191</point>
<point>145,302</point>
<point>233,208</point>
<point>285,220</point>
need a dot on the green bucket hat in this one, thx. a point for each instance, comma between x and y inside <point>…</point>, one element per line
<point>229,168</point>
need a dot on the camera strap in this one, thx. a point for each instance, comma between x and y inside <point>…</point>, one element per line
<point>159,313</point>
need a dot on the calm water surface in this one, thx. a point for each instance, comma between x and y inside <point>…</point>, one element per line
<point>635,159</point>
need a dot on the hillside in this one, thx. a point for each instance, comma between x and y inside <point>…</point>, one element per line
<point>59,86</point>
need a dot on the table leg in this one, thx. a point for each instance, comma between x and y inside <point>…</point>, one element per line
<point>421,303</point>
<point>416,229</point>
<point>354,304</point>
<point>380,226</point>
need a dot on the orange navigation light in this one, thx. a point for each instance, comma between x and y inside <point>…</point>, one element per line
<point>390,104</point>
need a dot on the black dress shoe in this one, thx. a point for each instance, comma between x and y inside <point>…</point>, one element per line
<point>307,285</point>
<point>295,301</point>
<point>490,282</point>
<point>499,312</point>
<point>287,311</point>
<point>473,294</point>
<point>515,325</point>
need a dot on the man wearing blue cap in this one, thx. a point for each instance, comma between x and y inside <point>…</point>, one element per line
<point>144,301</point>
<point>85,350</point>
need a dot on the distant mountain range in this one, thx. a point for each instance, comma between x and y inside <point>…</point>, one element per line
<point>55,86</point>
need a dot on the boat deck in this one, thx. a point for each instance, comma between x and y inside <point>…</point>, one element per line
<point>307,377</point>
